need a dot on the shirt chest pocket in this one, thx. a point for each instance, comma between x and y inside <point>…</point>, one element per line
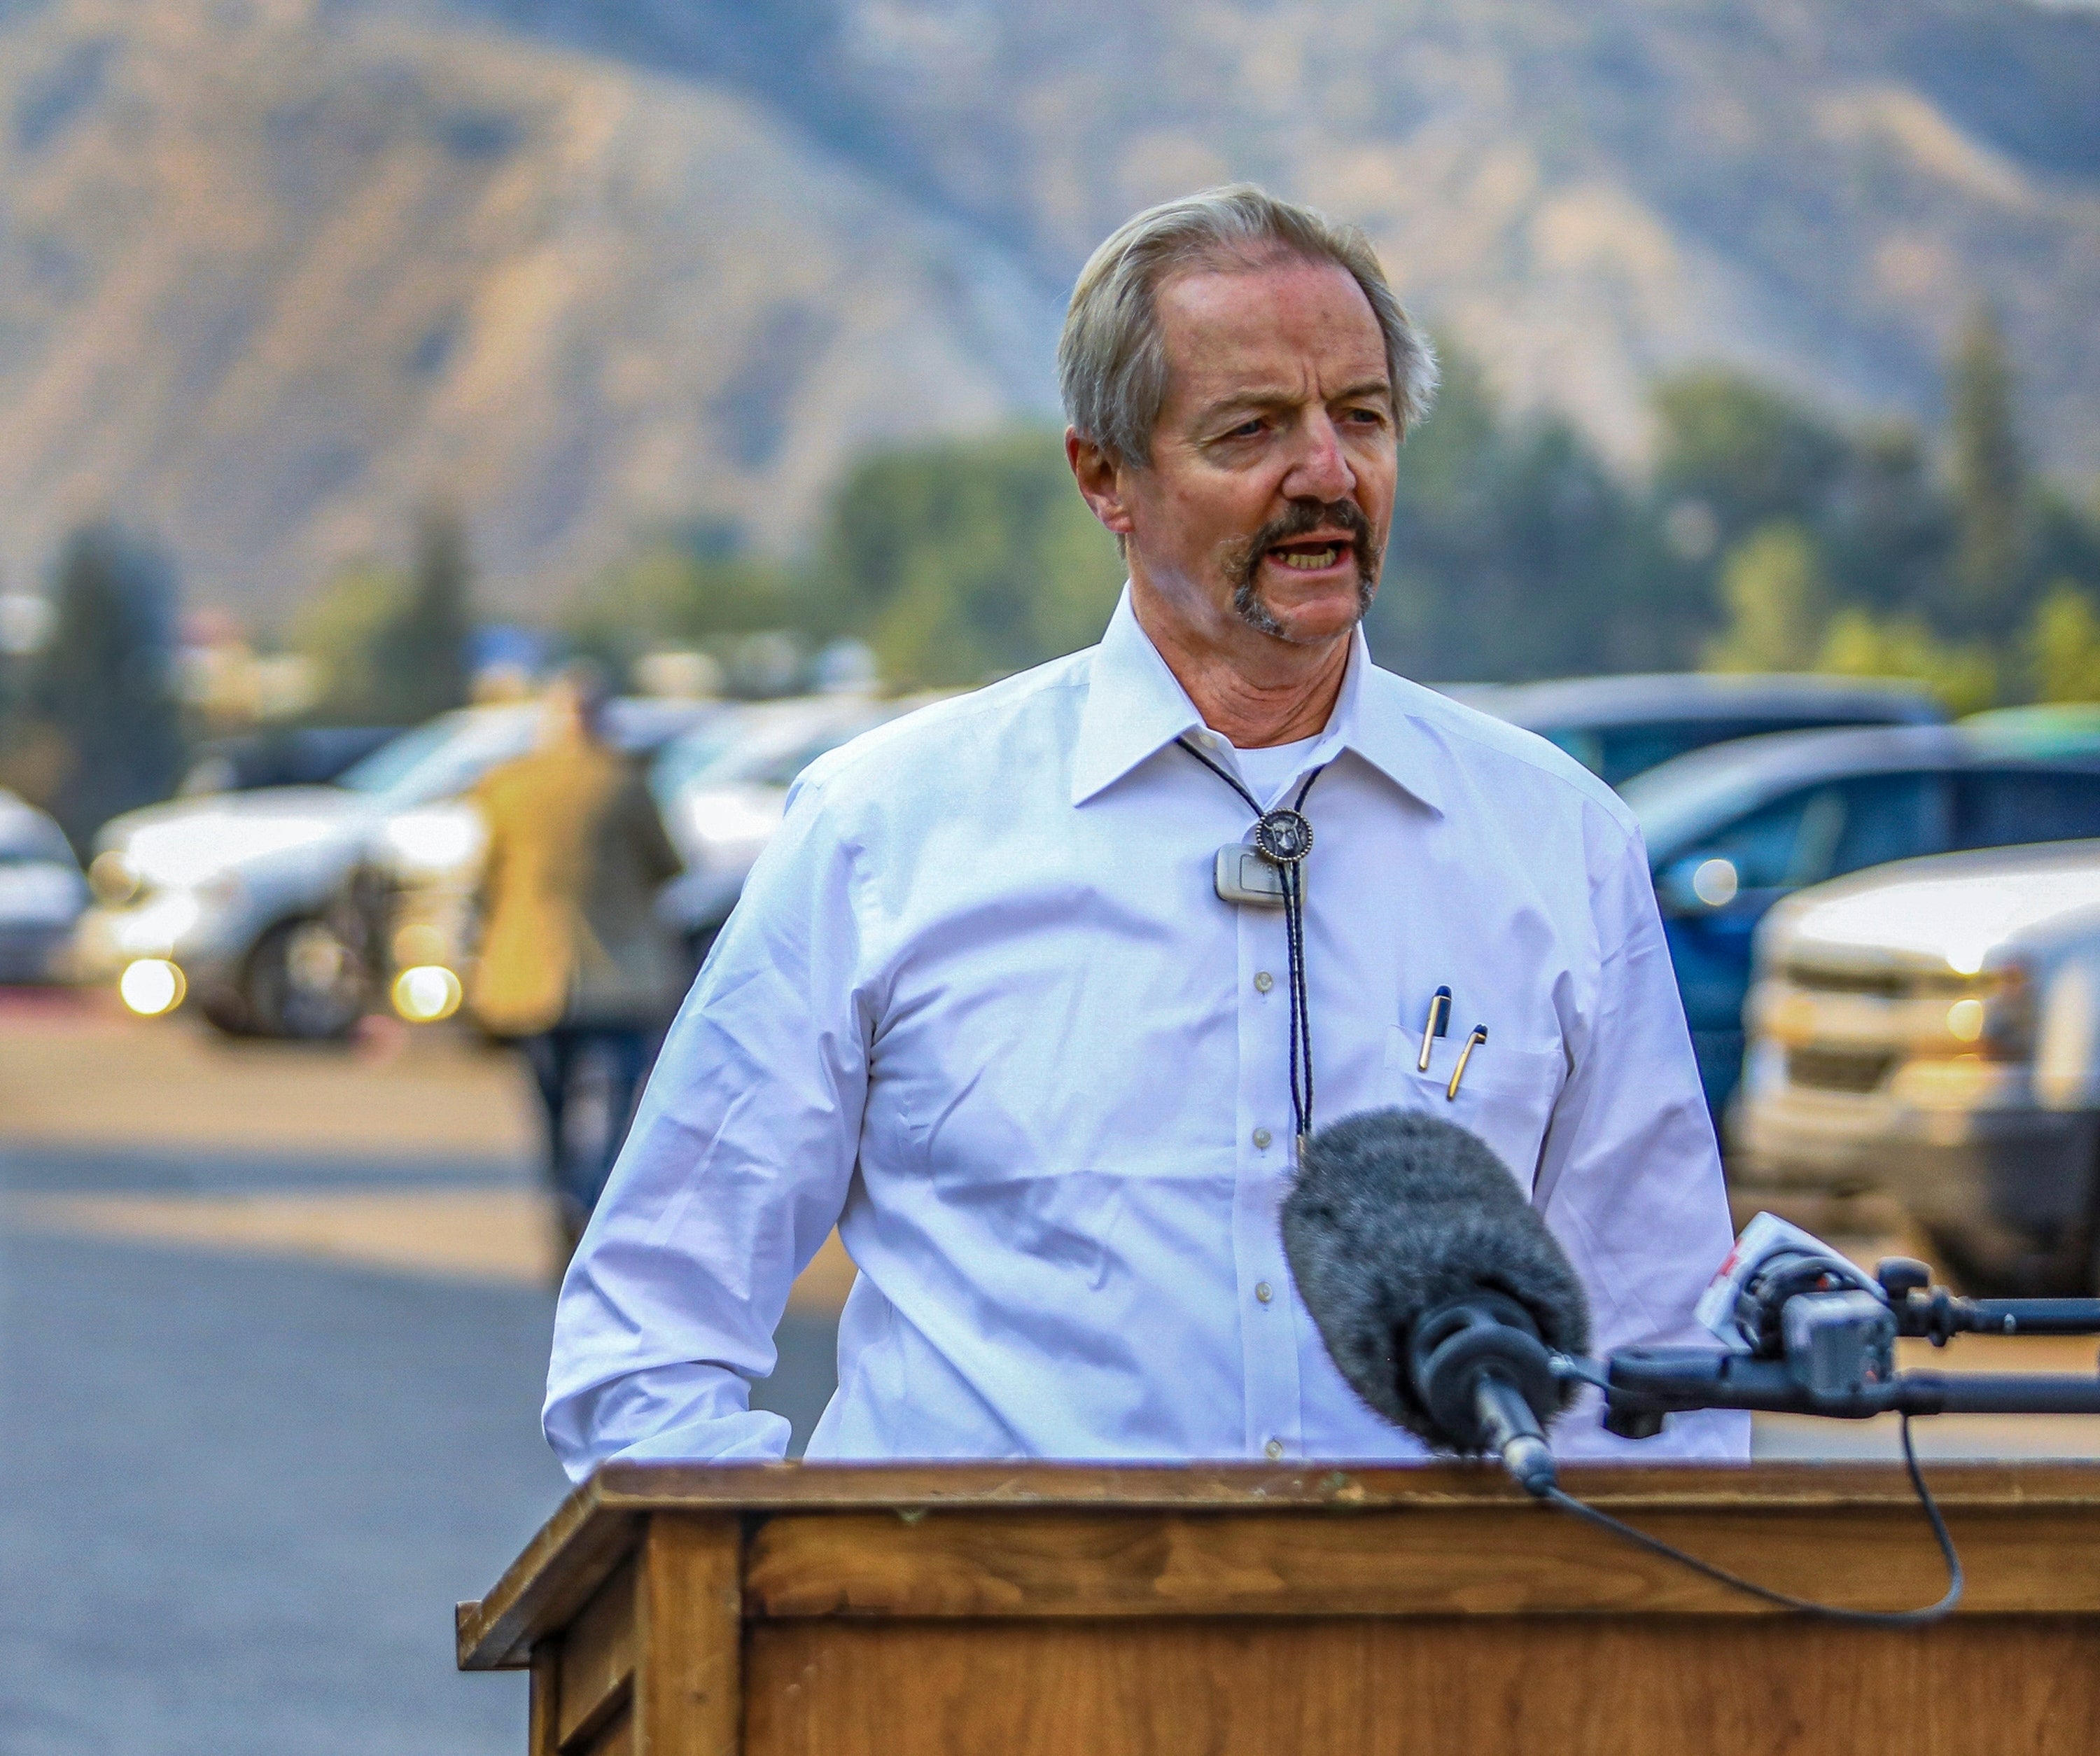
<point>1506,1096</point>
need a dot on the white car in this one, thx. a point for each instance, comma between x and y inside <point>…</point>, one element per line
<point>242,900</point>
<point>42,893</point>
<point>723,789</point>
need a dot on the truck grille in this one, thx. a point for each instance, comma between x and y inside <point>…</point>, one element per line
<point>1886,984</point>
<point>1832,1069</point>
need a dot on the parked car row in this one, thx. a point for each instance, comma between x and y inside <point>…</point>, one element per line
<point>1733,828</point>
<point>1915,1013</point>
<point>1621,726</point>
<point>42,893</point>
<point>253,898</point>
<point>720,785</point>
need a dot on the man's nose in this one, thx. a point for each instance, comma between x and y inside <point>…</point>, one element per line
<point>1320,470</point>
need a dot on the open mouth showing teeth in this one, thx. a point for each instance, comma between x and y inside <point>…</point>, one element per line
<point>1308,557</point>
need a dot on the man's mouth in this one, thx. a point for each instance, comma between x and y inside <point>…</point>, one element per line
<point>1314,556</point>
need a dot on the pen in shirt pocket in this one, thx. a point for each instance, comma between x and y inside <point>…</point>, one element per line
<point>1436,1024</point>
<point>1478,1035</point>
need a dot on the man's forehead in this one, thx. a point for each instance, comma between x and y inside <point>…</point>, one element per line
<point>1284,327</point>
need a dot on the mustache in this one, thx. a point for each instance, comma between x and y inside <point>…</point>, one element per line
<point>1302,518</point>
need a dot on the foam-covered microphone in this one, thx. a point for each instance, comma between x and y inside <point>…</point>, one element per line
<point>1438,1290</point>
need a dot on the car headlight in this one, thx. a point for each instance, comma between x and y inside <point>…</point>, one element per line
<point>1994,1019</point>
<point>155,928</point>
<point>112,877</point>
<point>440,840</point>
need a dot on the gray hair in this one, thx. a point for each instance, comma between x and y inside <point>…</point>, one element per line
<point>1112,359</point>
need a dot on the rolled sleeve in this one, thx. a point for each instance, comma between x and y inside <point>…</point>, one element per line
<point>734,1171</point>
<point>1629,1180</point>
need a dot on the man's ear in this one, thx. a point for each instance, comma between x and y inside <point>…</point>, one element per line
<point>1104,483</point>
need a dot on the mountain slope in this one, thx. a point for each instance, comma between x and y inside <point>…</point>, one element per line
<point>271,271</point>
<point>267,279</point>
<point>1587,191</point>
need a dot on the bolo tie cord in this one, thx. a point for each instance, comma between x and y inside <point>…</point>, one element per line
<point>1293,930</point>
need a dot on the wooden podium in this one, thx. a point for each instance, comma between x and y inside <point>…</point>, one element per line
<point>1036,1610</point>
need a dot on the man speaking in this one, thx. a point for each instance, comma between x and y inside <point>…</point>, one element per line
<point>1037,990</point>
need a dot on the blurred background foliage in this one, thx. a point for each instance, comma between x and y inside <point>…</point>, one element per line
<point>90,725</point>
<point>389,645</point>
<point>1765,535</point>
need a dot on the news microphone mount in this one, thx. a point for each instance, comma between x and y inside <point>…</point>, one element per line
<point>1810,1333</point>
<point>1821,1342</point>
<point>1926,1313</point>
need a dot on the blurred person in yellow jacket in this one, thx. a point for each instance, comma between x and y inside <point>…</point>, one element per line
<point>574,966</point>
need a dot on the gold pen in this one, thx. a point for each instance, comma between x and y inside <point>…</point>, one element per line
<point>1437,1024</point>
<point>1479,1035</point>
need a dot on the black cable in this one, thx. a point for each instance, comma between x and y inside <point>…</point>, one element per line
<point>1294,929</point>
<point>1914,1618</point>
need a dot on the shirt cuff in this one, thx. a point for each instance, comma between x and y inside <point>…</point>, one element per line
<point>689,1414</point>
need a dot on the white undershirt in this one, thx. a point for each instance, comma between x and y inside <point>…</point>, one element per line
<point>1267,771</point>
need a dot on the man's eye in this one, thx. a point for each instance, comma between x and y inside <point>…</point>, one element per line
<point>1246,428</point>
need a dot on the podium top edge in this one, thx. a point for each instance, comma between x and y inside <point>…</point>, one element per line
<point>598,1526</point>
<point>645,1488</point>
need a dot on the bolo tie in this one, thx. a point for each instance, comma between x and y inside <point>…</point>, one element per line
<point>1283,837</point>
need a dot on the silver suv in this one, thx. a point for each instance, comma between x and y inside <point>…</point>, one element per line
<point>246,898</point>
<point>1931,1030</point>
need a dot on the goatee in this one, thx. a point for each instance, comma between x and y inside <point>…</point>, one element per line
<point>1243,561</point>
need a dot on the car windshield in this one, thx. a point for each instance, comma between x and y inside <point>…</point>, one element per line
<point>684,761</point>
<point>763,747</point>
<point>1686,798</point>
<point>443,758</point>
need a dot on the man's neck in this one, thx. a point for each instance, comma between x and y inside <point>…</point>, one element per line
<point>1251,688</point>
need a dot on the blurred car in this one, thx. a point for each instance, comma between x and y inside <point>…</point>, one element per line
<point>301,756</point>
<point>415,886</point>
<point>2064,728</point>
<point>244,899</point>
<point>1931,1030</point>
<point>1619,726</point>
<point>42,893</point>
<point>723,790</point>
<point>1733,828</point>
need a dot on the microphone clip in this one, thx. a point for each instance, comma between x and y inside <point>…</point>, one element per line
<point>1486,1380</point>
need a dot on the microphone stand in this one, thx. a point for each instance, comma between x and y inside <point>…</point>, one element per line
<point>1845,1367</point>
<point>1641,1385</point>
<point>1828,1348</point>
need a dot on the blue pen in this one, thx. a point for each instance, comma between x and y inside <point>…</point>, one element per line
<point>1436,1025</point>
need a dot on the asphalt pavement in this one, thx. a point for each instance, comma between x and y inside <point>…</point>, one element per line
<point>245,1469</point>
<point>273,1332</point>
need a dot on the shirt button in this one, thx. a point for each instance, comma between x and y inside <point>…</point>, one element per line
<point>1264,1292</point>
<point>1264,982</point>
<point>1262,1137</point>
<point>1274,1448</point>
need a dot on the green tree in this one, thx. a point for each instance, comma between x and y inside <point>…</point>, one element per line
<point>1773,590</point>
<point>1964,674</point>
<point>421,656</point>
<point>1747,453</point>
<point>98,729</point>
<point>965,559</point>
<point>340,631</point>
<point>1516,552</point>
<point>393,646</point>
<point>686,589</point>
<point>2063,645</point>
<point>1988,472</point>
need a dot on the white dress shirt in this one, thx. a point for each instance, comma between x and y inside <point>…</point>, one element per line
<point>982,1008</point>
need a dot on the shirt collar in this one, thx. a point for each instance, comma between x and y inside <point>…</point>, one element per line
<point>1135,706</point>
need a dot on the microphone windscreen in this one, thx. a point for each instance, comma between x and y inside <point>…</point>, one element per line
<point>1395,1213</point>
